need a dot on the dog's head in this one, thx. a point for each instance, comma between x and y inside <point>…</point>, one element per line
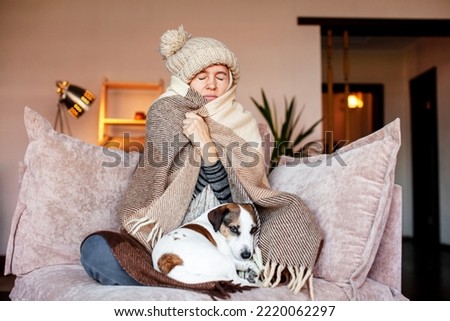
<point>238,224</point>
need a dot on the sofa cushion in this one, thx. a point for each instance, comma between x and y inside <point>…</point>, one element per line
<point>350,193</point>
<point>68,190</point>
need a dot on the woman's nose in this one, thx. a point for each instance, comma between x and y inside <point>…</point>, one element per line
<point>211,83</point>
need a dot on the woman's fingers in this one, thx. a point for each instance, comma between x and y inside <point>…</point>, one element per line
<point>196,129</point>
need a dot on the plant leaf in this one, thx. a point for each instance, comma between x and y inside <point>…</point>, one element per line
<point>284,143</point>
<point>305,133</point>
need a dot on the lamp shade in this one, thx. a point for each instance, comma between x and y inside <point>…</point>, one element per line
<point>77,100</point>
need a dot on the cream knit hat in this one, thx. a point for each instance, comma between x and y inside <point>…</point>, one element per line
<point>185,56</point>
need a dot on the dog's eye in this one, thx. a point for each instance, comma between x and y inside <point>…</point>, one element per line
<point>253,230</point>
<point>234,230</point>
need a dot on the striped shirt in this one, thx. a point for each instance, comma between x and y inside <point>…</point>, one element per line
<point>216,176</point>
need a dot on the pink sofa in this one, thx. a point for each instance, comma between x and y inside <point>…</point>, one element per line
<point>70,189</point>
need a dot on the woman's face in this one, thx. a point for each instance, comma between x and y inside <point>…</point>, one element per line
<point>211,82</point>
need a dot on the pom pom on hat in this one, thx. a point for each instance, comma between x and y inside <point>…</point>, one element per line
<point>185,56</point>
<point>172,41</point>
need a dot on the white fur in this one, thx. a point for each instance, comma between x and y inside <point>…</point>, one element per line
<point>204,262</point>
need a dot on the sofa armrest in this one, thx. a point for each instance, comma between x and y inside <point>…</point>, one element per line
<point>387,266</point>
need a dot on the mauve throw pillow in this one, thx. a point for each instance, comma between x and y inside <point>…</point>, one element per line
<point>350,193</point>
<point>68,190</point>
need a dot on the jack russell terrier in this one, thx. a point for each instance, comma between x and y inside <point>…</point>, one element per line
<point>213,247</point>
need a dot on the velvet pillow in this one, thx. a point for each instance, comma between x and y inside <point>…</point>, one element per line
<point>350,193</point>
<point>68,190</point>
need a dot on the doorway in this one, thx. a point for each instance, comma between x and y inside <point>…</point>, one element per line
<point>423,97</point>
<point>363,120</point>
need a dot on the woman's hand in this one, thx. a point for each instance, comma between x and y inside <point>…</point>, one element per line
<point>196,129</point>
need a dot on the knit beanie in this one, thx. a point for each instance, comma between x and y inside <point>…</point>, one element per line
<point>185,56</point>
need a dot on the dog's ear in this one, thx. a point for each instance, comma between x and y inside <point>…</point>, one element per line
<point>249,207</point>
<point>215,216</point>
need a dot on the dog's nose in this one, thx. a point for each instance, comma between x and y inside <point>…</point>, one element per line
<point>246,254</point>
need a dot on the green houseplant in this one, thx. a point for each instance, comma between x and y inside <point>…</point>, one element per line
<point>286,143</point>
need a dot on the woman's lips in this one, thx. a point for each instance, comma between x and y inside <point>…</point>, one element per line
<point>209,97</point>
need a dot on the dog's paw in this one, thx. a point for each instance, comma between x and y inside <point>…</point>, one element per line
<point>252,276</point>
<point>252,273</point>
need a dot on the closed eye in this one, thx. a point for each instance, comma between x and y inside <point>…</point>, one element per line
<point>201,75</point>
<point>234,230</point>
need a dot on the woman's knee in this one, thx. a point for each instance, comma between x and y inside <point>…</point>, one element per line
<point>100,263</point>
<point>93,248</point>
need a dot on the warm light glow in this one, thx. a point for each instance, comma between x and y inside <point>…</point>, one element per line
<point>355,100</point>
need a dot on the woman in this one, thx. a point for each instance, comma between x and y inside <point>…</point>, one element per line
<point>203,148</point>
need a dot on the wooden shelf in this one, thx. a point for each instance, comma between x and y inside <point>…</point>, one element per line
<point>133,85</point>
<point>105,121</point>
<point>124,121</point>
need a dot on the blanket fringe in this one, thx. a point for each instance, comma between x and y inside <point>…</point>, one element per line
<point>279,270</point>
<point>222,290</point>
<point>269,271</point>
<point>311,289</point>
<point>153,236</point>
<point>291,271</point>
<point>299,277</point>
<point>138,223</point>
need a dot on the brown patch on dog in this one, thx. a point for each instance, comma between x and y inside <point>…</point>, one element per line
<point>225,231</point>
<point>219,214</point>
<point>168,261</point>
<point>201,230</point>
<point>230,219</point>
<point>227,215</point>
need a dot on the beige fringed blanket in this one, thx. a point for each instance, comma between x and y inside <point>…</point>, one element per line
<point>161,190</point>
